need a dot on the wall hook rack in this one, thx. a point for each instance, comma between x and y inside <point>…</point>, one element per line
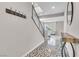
<point>9,11</point>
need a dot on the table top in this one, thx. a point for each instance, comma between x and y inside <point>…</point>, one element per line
<point>69,38</point>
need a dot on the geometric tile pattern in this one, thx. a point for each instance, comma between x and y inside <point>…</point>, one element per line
<point>44,50</point>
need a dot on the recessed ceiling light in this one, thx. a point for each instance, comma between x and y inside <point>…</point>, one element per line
<point>53,7</point>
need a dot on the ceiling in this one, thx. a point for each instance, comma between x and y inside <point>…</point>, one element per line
<point>47,8</point>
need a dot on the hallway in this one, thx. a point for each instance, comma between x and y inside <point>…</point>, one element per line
<point>39,29</point>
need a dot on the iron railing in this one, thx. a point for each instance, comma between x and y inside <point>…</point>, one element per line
<point>37,21</point>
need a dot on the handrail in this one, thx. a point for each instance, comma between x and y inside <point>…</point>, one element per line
<point>42,32</point>
<point>37,15</point>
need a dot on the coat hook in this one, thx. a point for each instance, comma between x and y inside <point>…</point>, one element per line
<point>19,12</point>
<point>15,10</point>
<point>22,13</point>
<point>10,8</point>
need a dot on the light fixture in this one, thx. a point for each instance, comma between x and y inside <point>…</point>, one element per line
<point>53,7</point>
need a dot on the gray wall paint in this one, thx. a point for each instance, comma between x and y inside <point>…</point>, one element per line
<point>74,28</point>
<point>59,27</point>
<point>17,35</point>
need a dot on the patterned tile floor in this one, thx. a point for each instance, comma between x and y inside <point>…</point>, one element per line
<point>47,49</point>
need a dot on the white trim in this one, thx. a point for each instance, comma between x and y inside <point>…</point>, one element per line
<point>32,49</point>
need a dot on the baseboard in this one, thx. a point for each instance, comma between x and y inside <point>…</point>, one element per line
<point>32,49</point>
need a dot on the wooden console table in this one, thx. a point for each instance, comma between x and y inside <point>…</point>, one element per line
<point>69,38</point>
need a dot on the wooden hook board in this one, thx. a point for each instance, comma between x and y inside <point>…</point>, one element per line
<point>15,13</point>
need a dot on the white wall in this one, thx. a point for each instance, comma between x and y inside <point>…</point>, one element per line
<point>74,28</point>
<point>59,27</point>
<point>17,35</point>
